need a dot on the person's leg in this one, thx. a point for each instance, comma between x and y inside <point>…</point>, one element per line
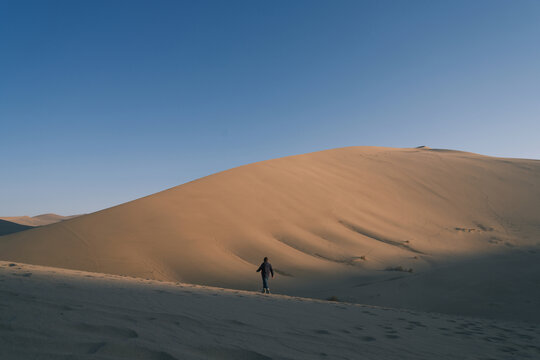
<point>265,284</point>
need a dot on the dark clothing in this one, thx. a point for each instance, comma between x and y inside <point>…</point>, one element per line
<point>266,270</point>
<point>265,283</point>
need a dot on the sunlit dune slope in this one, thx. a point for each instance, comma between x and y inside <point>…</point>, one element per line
<point>320,217</point>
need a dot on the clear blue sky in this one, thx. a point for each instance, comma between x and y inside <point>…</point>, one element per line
<point>102,102</point>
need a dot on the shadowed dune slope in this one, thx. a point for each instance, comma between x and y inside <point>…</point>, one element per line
<point>8,227</point>
<point>321,217</point>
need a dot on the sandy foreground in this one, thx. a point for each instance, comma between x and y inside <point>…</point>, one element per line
<point>51,313</point>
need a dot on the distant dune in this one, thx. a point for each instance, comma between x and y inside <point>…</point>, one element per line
<point>421,228</point>
<point>8,227</point>
<point>39,220</point>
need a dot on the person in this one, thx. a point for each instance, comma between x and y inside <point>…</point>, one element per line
<point>266,270</point>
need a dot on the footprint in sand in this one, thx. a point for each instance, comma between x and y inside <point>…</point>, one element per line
<point>508,349</point>
<point>107,331</point>
<point>126,350</point>
<point>94,348</point>
<point>494,339</point>
<point>28,274</point>
<point>534,347</point>
<point>237,322</point>
<point>368,338</point>
<point>228,353</point>
<point>525,337</point>
<point>416,323</point>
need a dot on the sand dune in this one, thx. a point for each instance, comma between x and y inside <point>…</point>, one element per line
<point>8,227</point>
<point>39,220</point>
<point>50,313</point>
<point>348,222</point>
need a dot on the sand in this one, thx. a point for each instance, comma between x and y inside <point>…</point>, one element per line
<point>8,227</point>
<point>349,222</point>
<point>38,220</point>
<point>51,313</point>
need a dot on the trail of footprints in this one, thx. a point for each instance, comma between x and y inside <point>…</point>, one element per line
<point>509,341</point>
<point>520,342</point>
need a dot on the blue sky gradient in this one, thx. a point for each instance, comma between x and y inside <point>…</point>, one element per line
<point>102,102</point>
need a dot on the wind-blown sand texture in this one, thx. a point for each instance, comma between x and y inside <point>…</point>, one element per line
<point>49,313</point>
<point>347,222</point>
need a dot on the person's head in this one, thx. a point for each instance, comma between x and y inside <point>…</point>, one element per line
<point>265,259</point>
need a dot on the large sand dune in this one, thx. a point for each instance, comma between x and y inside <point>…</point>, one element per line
<point>332,222</point>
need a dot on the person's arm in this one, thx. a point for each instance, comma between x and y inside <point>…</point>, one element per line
<point>271,270</point>
<point>259,269</point>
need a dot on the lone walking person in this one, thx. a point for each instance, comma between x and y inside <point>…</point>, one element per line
<point>266,270</point>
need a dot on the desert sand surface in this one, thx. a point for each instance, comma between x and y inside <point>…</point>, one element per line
<point>51,313</point>
<point>38,220</point>
<point>425,229</point>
